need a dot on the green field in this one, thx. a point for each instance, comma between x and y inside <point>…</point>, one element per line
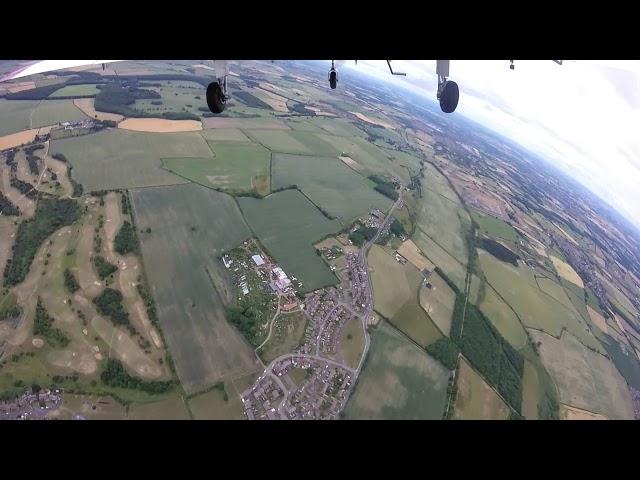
<point>15,115</point>
<point>176,96</point>
<point>170,408</point>
<point>396,296</point>
<point>352,343</point>
<point>535,308</point>
<point>288,225</point>
<point>278,141</point>
<point>204,346</point>
<point>225,135</point>
<point>555,290</point>
<point>438,301</point>
<point>124,159</point>
<point>475,400</point>
<point>287,333</point>
<point>442,219</point>
<point>76,91</point>
<point>212,405</point>
<point>235,168</point>
<point>503,318</point>
<point>330,184</point>
<point>494,227</point>
<point>449,265</point>
<point>585,379</point>
<point>50,112</point>
<point>399,381</point>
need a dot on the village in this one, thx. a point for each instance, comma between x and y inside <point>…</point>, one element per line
<point>34,404</point>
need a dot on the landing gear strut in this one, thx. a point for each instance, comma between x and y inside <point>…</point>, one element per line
<point>448,92</point>
<point>333,76</point>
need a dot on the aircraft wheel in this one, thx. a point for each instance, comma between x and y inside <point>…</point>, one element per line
<point>449,97</point>
<point>333,79</point>
<point>216,100</point>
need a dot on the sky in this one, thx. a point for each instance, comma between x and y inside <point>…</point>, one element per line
<point>583,116</point>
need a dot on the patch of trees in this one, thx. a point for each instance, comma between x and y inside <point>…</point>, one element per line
<point>43,326</point>
<point>38,93</point>
<point>126,208</point>
<point>7,208</point>
<point>32,148</point>
<point>77,187</point>
<point>109,303</point>
<point>180,116</point>
<point>397,228</point>
<point>362,234</point>
<point>156,102</point>
<point>103,267</point>
<point>499,251</point>
<point>445,351</point>
<point>301,109</point>
<point>51,214</point>
<point>384,187</point>
<point>488,351</point>
<point>70,281</point>
<point>33,161</point>
<point>10,312</point>
<point>10,157</point>
<point>114,375</point>
<point>149,303</point>
<point>444,276</point>
<point>126,240</point>
<point>60,156</point>
<point>116,99</point>
<point>251,100</point>
<point>204,81</point>
<point>25,188</point>
<point>245,320</point>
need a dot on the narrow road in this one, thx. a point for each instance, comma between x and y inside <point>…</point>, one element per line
<point>362,259</point>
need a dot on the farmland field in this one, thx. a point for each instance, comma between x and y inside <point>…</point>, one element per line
<point>15,115</point>
<point>503,318</point>
<point>235,168</point>
<point>437,255</point>
<point>352,343</point>
<point>160,125</point>
<point>172,407</point>
<point>123,159</point>
<point>399,381</point>
<point>494,227</point>
<point>412,253</point>
<point>225,135</point>
<point>535,308</point>
<point>50,112</point>
<point>204,346</point>
<point>395,293</point>
<point>244,123</point>
<point>330,184</point>
<point>437,301</point>
<point>76,91</point>
<point>278,141</point>
<point>212,405</point>
<point>288,225</point>
<point>475,400</point>
<point>442,219</point>
<point>585,379</point>
<point>566,271</point>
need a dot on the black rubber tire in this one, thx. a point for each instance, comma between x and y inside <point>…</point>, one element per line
<point>449,97</point>
<point>333,80</point>
<point>215,98</point>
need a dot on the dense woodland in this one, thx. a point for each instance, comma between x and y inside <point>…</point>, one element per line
<point>385,187</point>
<point>70,281</point>
<point>499,251</point>
<point>114,375</point>
<point>126,240</point>
<point>103,267</point>
<point>43,327</point>
<point>109,303</point>
<point>7,208</point>
<point>51,214</point>
<point>245,320</point>
<point>362,234</point>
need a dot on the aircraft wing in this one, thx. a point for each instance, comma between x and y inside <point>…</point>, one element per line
<point>24,69</point>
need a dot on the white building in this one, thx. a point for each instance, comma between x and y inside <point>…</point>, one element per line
<point>258,260</point>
